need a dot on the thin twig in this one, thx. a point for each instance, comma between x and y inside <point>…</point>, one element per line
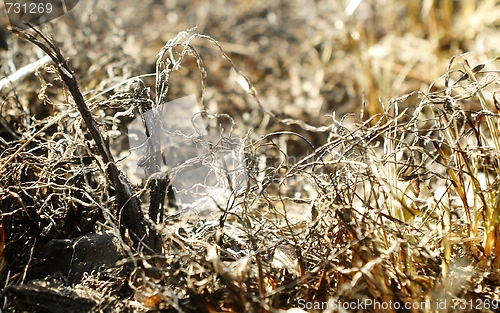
<point>129,211</point>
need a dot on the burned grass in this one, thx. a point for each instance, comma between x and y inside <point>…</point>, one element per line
<point>376,211</point>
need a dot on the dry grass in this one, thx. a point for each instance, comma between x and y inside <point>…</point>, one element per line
<point>397,202</point>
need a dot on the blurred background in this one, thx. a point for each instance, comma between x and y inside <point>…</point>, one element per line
<point>307,59</point>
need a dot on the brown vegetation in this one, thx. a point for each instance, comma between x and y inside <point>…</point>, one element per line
<point>371,147</point>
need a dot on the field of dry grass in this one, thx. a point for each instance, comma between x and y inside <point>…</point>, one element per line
<point>369,132</point>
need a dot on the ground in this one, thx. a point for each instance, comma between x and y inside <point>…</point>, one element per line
<point>368,138</point>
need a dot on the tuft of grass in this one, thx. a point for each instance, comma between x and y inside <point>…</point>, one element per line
<point>395,203</point>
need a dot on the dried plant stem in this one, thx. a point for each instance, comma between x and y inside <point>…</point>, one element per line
<point>130,213</point>
<point>23,72</point>
<point>484,104</point>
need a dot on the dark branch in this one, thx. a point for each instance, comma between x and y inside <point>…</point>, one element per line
<point>130,214</point>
